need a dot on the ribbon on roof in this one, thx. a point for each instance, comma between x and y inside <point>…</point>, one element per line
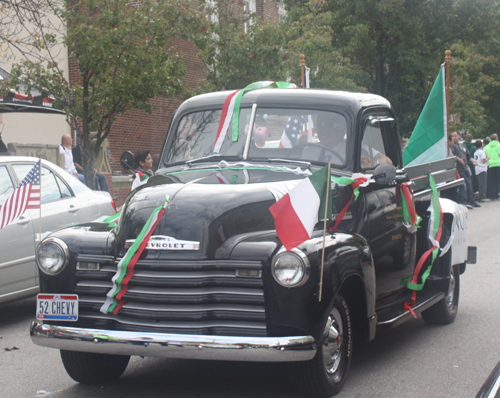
<point>231,109</point>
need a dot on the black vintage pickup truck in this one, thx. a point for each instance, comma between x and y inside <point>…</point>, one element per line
<point>214,281</point>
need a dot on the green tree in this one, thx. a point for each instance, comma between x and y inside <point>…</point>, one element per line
<point>125,55</point>
<point>399,44</point>
<point>239,49</point>
<point>470,87</point>
<point>308,30</point>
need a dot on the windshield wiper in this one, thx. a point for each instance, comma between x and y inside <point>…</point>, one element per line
<point>204,158</point>
<point>302,162</point>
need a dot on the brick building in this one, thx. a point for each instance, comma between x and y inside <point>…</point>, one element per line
<point>135,130</point>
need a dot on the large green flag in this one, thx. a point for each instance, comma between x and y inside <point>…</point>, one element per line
<point>428,141</point>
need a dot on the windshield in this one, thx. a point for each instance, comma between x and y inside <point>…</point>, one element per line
<point>281,134</point>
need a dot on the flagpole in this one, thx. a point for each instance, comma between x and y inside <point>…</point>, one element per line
<point>40,208</point>
<point>448,58</point>
<point>302,61</point>
<point>328,193</point>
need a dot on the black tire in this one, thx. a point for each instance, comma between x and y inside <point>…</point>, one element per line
<point>325,374</point>
<point>445,311</point>
<point>90,368</point>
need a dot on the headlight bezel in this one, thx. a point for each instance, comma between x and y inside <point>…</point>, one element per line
<point>304,261</point>
<point>64,251</point>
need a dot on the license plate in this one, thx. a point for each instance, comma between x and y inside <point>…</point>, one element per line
<point>59,307</point>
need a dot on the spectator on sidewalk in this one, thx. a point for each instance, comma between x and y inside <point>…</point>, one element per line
<point>100,179</point>
<point>472,148</point>
<point>466,196</point>
<point>69,165</point>
<point>143,165</point>
<point>481,169</point>
<point>492,150</point>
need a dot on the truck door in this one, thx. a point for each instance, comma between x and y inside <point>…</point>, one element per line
<point>392,243</point>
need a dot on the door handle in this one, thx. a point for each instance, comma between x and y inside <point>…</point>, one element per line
<point>73,209</point>
<point>22,220</point>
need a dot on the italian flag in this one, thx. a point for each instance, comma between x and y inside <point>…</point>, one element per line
<point>140,179</point>
<point>231,110</point>
<point>296,213</point>
<point>428,141</point>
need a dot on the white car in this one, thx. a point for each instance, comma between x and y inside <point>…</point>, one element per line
<point>64,201</point>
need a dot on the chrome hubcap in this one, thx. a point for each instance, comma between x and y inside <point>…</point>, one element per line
<point>332,342</point>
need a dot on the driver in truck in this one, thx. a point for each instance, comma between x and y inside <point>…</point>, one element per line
<point>331,129</point>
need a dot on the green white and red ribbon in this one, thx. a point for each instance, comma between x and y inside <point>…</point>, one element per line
<point>435,232</point>
<point>125,269</point>
<point>355,182</point>
<point>231,109</point>
<point>408,205</point>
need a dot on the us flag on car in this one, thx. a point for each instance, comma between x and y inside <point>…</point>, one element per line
<point>25,196</point>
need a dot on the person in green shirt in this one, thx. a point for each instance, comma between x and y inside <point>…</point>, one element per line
<point>492,150</point>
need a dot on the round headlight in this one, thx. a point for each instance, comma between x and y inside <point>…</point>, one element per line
<point>52,255</point>
<point>290,268</point>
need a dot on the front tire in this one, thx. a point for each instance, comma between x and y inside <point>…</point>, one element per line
<point>90,368</point>
<point>325,374</point>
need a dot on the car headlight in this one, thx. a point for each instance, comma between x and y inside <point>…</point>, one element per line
<point>52,255</point>
<point>290,268</point>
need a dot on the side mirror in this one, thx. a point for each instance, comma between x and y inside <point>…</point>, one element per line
<point>384,173</point>
<point>127,161</point>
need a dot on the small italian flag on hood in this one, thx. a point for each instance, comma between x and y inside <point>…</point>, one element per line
<point>296,213</point>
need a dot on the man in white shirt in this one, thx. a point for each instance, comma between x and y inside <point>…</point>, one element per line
<point>69,165</point>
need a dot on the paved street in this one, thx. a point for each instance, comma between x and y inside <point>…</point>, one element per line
<point>414,360</point>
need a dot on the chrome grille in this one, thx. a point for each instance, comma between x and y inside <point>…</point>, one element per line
<point>219,297</point>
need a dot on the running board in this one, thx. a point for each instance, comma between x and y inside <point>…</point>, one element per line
<point>422,303</point>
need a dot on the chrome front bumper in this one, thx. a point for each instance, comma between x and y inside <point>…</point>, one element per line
<point>225,348</point>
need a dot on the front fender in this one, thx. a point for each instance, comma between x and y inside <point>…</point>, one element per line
<point>297,310</point>
<point>84,242</point>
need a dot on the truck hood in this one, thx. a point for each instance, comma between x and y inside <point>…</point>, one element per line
<point>208,208</point>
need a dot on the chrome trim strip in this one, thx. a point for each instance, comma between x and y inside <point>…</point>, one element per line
<point>417,309</point>
<point>180,346</point>
<point>428,192</point>
<point>18,261</point>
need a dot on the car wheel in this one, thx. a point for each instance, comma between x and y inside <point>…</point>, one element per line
<point>325,374</point>
<point>445,311</point>
<point>90,368</point>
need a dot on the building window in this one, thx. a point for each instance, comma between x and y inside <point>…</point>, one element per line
<point>281,11</point>
<point>213,15</point>
<point>250,7</point>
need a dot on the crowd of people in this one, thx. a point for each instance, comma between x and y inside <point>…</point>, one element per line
<point>478,163</point>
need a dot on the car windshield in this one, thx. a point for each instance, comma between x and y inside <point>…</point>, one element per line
<point>286,134</point>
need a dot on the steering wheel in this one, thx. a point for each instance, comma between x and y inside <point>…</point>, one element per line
<point>322,155</point>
